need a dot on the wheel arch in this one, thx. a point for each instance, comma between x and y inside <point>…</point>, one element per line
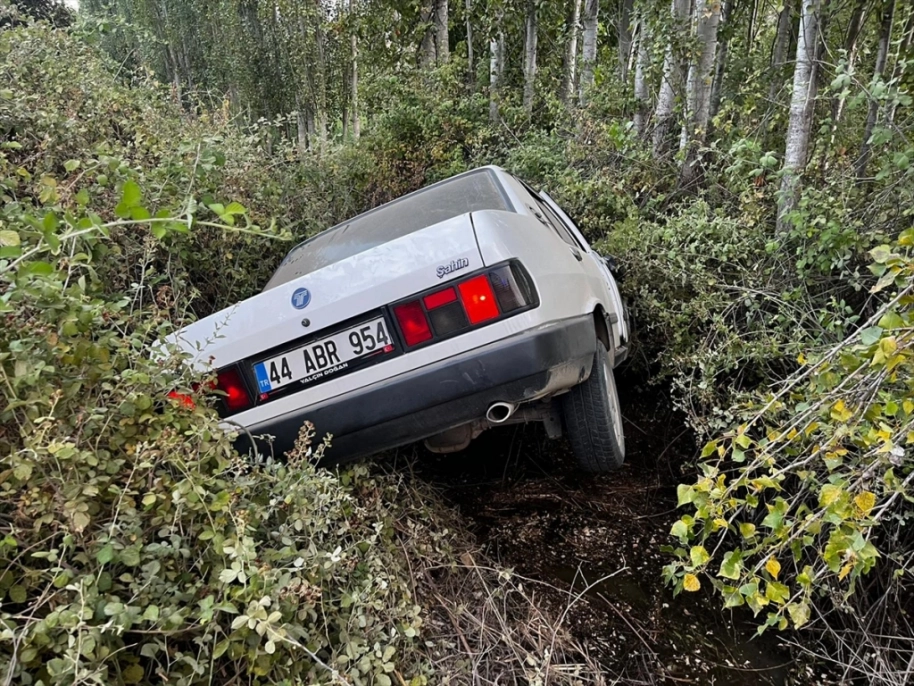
<point>601,326</point>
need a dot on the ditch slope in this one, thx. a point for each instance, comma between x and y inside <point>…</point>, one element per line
<point>592,545</point>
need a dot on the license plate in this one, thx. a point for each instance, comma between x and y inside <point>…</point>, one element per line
<point>324,358</point>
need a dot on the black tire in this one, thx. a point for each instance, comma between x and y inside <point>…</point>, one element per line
<point>593,418</point>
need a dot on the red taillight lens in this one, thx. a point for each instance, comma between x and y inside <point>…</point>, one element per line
<point>236,396</point>
<point>448,295</point>
<point>413,323</point>
<point>478,299</point>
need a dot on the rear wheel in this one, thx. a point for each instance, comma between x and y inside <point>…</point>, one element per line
<point>593,417</point>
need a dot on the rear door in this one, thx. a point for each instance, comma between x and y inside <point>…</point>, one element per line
<point>594,264</point>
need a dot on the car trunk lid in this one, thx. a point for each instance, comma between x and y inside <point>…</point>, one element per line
<point>352,288</point>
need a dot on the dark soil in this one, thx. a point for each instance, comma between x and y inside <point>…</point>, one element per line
<point>599,537</point>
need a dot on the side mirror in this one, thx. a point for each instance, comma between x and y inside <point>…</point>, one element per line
<point>615,268</point>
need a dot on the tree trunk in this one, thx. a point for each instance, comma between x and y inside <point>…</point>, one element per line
<point>589,52</point>
<point>571,51</point>
<point>642,94</point>
<point>354,77</point>
<point>666,101</point>
<point>882,54</point>
<point>624,31</point>
<point>427,53</point>
<point>779,50</point>
<point>470,66</point>
<point>320,103</point>
<point>442,45</point>
<point>723,49</point>
<point>802,102</point>
<point>496,67</point>
<point>858,18</point>
<point>530,57</point>
<point>706,19</point>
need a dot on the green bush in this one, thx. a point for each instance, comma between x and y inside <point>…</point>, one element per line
<point>137,546</point>
<point>813,487</point>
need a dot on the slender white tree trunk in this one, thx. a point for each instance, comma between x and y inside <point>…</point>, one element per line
<point>530,57</point>
<point>672,77</point>
<point>589,51</point>
<point>802,101</point>
<point>354,75</point>
<point>470,66</point>
<point>779,50</point>
<point>442,45</point>
<point>642,94</point>
<point>571,51</point>
<point>624,32</point>
<point>882,54</point>
<point>720,63</point>
<point>705,19</point>
<point>496,67</point>
<point>427,53</point>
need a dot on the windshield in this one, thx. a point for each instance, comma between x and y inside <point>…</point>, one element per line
<point>471,192</point>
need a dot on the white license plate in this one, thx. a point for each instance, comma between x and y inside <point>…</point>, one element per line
<point>326,357</point>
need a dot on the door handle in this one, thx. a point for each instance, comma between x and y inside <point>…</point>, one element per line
<point>577,254</point>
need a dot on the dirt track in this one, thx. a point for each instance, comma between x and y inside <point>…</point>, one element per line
<point>600,537</point>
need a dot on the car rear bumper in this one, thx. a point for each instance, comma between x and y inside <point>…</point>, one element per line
<point>443,395</point>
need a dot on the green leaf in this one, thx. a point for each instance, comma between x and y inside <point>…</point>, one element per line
<point>777,592</point>
<point>151,614</point>
<point>17,594</point>
<point>684,494</point>
<point>133,674</point>
<point>105,555</point>
<point>9,239</point>
<point>235,208</point>
<point>870,335</point>
<point>130,557</point>
<point>71,165</point>
<point>699,555</point>
<point>131,195</point>
<point>799,613</point>
<point>113,608</point>
<point>730,567</point>
<point>891,320</point>
<point>680,529</point>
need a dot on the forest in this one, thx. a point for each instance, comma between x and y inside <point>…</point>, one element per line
<point>750,163</point>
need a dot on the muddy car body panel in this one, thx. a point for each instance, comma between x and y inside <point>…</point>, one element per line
<point>389,329</point>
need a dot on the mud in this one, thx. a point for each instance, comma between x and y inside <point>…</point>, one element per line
<point>599,537</point>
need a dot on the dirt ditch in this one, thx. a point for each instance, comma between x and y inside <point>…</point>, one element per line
<point>598,538</point>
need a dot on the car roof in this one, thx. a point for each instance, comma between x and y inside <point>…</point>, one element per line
<point>472,191</point>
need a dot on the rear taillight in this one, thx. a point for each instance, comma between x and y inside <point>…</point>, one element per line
<point>230,383</point>
<point>413,323</point>
<point>478,299</point>
<point>228,386</point>
<point>465,304</point>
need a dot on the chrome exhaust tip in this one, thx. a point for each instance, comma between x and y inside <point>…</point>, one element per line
<point>499,413</point>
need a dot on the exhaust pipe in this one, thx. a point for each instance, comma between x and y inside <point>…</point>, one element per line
<point>499,413</point>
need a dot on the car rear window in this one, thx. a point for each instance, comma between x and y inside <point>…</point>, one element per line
<point>444,200</point>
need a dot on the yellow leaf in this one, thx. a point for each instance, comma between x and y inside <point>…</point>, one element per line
<point>845,570</point>
<point>865,501</point>
<point>691,583</point>
<point>908,406</point>
<point>840,413</point>
<point>801,358</point>
<point>773,567</point>
<point>719,523</point>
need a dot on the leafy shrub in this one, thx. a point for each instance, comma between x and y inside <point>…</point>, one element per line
<point>813,488</point>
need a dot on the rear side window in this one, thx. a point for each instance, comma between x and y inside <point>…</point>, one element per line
<point>451,198</point>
